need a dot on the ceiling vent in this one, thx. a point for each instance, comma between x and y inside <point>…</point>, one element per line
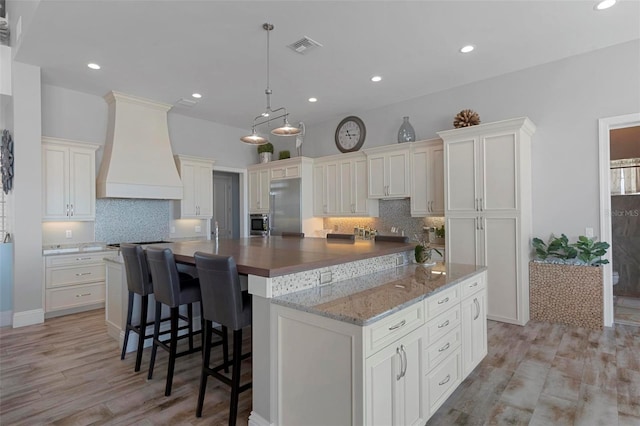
<point>186,103</point>
<point>304,45</point>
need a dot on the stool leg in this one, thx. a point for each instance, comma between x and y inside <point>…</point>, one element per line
<point>156,337</point>
<point>144,308</point>
<point>127,330</point>
<point>190,325</point>
<point>173,349</point>
<point>225,348</point>
<point>206,357</point>
<point>235,376</point>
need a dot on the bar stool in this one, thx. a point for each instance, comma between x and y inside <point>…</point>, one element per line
<point>173,292</point>
<point>224,303</point>
<point>139,282</point>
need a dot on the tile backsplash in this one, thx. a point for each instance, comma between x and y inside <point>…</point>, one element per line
<point>132,220</point>
<point>392,213</point>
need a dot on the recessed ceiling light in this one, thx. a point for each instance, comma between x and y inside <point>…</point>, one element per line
<point>466,49</point>
<point>605,4</point>
<point>196,95</point>
<point>376,78</point>
<point>313,99</point>
<point>93,66</point>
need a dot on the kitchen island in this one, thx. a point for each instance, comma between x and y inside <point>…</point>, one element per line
<point>277,268</point>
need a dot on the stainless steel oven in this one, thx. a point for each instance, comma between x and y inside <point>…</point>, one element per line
<point>259,224</point>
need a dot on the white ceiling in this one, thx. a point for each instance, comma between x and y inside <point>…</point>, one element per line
<point>166,50</point>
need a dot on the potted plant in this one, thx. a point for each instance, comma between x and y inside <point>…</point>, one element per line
<point>283,155</point>
<point>565,281</point>
<point>423,253</point>
<point>265,151</point>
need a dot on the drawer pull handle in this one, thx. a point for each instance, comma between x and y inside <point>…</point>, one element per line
<point>446,380</point>
<point>83,294</point>
<point>80,274</point>
<point>398,325</point>
<point>475,284</point>
<point>444,324</point>
<point>445,347</point>
<point>445,300</point>
<point>83,258</point>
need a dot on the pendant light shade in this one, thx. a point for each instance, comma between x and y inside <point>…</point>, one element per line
<point>269,114</point>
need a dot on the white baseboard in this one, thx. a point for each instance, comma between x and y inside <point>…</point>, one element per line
<point>6,318</point>
<point>257,420</point>
<point>22,319</point>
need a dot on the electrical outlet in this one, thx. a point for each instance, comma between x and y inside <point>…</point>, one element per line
<point>68,233</point>
<point>399,260</point>
<point>198,228</point>
<point>326,277</point>
<point>588,232</point>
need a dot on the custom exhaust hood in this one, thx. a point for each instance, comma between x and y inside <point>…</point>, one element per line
<point>137,161</point>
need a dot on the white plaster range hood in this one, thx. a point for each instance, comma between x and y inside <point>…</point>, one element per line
<point>137,161</point>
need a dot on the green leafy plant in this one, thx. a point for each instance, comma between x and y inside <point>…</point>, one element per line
<point>440,232</point>
<point>267,147</point>
<point>283,155</point>
<point>585,251</point>
<point>423,252</point>
<point>590,251</point>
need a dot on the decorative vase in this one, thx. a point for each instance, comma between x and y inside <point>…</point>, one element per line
<point>265,157</point>
<point>406,132</point>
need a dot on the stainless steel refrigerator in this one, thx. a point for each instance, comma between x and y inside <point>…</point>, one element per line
<point>285,209</point>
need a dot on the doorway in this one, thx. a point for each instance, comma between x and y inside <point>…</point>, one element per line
<point>226,205</point>
<point>619,224</point>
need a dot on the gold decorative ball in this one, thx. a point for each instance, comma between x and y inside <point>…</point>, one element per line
<point>466,118</point>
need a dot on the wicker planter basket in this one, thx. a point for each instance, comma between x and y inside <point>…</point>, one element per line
<point>567,294</point>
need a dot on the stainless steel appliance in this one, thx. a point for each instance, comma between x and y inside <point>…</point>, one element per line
<point>259,224</point>
<point>285,206</point>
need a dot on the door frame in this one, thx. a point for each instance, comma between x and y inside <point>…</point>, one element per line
<point>605,125</point>
<point>242,184</point>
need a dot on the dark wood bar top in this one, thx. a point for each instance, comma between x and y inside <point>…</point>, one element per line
<point>276,256</point>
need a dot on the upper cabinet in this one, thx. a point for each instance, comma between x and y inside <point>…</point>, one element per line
<point>388,172</point>
<point>261,175</point>
<point>427,178</point>
<point>340,187</point>
<point>68,180</point>
<point>259,181</point>
<point>197,180</point>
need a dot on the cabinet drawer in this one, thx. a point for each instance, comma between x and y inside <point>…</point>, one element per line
<point>59,277</point>
<point>443,380</point>
<point>442,301</point>
<point>70,297</point>
<point>285,172</point>
<point>389,329</point>
<point>443,323</point>
<point>440,350</point>
<point>472,285</point>
<point>76,259</point>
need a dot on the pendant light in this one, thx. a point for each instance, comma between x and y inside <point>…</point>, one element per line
<point>268,115</point>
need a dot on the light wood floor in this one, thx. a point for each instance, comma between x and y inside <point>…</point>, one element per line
<point>540,374</point>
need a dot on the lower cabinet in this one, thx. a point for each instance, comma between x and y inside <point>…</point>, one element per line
<point>474,325</point>
<point>74,281</point>
<point>393,383</point>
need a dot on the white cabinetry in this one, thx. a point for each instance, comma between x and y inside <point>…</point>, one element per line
<point>259,181</point>
<point>427,178</point>
<point>340,187</point>
<point>394,393</point>
<point>488,209</point>
<point>389,172</point>
<point>74,281</point>
<point>68,180</point>
<point>197,180</point>
<point>474,323</point>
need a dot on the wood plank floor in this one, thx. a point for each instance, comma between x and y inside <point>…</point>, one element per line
<point>68,372</point>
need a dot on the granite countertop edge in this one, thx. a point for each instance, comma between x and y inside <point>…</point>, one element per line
<point>282,301</point>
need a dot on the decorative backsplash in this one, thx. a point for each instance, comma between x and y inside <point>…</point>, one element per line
<point>393,213</point>
<point>132,220</point>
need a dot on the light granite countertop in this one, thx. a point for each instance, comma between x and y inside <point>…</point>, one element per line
<point>366,299</point>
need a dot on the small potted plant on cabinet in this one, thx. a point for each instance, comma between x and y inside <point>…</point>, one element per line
<point>565,281</point>
<point>283,155</point>
<point>265,151</point>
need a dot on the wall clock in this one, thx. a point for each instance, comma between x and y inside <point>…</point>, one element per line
<point>350,134</point>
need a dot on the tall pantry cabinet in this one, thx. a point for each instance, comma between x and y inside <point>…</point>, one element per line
<point>488,209</point>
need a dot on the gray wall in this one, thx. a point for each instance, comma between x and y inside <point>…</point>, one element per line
<point>564,99</point>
